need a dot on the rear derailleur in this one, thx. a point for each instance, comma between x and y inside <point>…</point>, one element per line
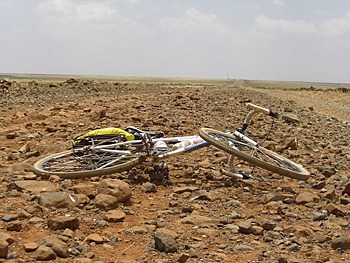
<point>160,174</point>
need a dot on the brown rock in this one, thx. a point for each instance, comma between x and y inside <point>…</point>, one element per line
<point>95,238</point>
<point>106,202</point>
<point>30,246</point>
<point>63,222</point>
<point>56,199</point>
<point>4,248</point>
<point>306,197</point>
<point>116,188</point>
<point>45,253</point>
<point>115,216</point>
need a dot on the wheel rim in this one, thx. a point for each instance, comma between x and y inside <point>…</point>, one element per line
<point>262,154</point>
<point>77,162</point>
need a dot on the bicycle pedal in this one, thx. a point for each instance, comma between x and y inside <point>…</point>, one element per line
<point>242,175</point>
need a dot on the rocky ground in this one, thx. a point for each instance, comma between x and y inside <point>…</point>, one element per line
<point>202,216</point>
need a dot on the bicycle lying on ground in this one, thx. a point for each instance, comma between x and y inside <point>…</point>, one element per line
<point>102,155</point>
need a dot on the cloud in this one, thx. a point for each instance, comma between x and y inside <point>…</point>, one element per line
<point>335,26</point>
<point>194,21</point>
<point>266,24</point>
<point>277,2</point>
<point>65,12</point>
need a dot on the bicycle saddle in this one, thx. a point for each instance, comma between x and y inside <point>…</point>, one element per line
<point>138,132</point>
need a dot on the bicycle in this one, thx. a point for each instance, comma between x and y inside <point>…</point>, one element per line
<point>101,156</point>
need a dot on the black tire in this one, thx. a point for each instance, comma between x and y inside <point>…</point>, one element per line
<point>258,156</point>
<point>73,165</point>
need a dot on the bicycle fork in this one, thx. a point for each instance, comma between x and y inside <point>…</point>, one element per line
<point>232,172</point>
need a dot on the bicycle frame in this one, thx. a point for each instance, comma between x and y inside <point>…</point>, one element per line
<point>151,152</point>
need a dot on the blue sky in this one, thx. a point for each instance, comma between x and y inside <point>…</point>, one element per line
<point>246,39</point>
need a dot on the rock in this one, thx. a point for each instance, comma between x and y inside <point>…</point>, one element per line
<point>44,253</point>
<point>63,222</point>
<point>204,195</point>
<point>271,235</point>
<point>319,185</point>
<point>6,237</point>
<point>115,216</point>
<point>330,194</point>
<point>30,246</point>
<point>106,202</point>
<point>292,143</point>
<point>80,199</point>
<point>58,246</point>
<point>4,248</point>
<point>35,186</point>
<point>141,230</point>
<point>84,188</point>
<point>332,209</point>
<point>55,200</point>
<point>320,238</point>
<point>14,226</point>
<point>268,225</point>
<point>95,238</point>
<point>243,248</point>
<point>306,197</point>
<point>183,189</point>
<point>257,230</point>
<point>291,118</point>
<point>149,187</point>
<point>116,188</point>
<point>317,216</point>
<point>346,189</point>
<point>8,218</point>
<point>342,242</point>
<point>197,220</point>
<point>245,227</point>
<point>165,242</point>
<point>11,135</point>
<point>271,197</point>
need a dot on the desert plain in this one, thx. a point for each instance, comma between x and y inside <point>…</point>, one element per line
<point>202,216</point>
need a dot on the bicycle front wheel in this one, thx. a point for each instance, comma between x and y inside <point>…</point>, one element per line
<point>75,165</point>
<point>255,155</point>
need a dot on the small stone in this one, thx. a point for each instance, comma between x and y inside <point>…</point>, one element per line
<point>342,242</point>
<point>45,253</point>
<point>245,226</point>
<point>332,209</point>
<point>30,246</point>
<point>317,216</point>
<point>149,187</point>
<point>115,216</point>
<point>95,238</point>
<point>63,222</point>
<point>292,143</point>
<point>4,248</point>
<point>306,197</point>
<point>165,242</point>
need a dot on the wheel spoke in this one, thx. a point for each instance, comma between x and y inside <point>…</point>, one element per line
<point>254,154</point>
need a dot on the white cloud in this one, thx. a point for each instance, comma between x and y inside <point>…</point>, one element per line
<point>68,11</point>
<point>194,21</point>
<point>277,2</point>
<point>266,24</point>
<point>132,1</point>
<point>335,26</point>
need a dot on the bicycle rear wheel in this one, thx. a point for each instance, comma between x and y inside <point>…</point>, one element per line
<point>258,156</point>
<point>80,164</point>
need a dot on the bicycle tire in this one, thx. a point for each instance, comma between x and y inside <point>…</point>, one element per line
<point>258,156</point>
<point>67,165</point>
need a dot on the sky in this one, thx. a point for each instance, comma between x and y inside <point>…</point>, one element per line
<point>293,40</point>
